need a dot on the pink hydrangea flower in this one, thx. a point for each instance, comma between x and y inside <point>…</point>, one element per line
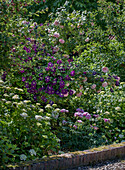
<point>104,84</point>
<point>88,116</point>
<point>61,41</point>
<point>106,120</point>
<point>61,26</point>
<point>105,69</point>
<point>93,86</point>
<point>87,39</point>
<point>56,23</point>
<point>85,79</point>
<point>75,126</point>
<point>79,121</point>
<point>118,78</point>
<point>79,94</point>
<point>56,35</point>
<point>65,95</point>
<point>85,113</point>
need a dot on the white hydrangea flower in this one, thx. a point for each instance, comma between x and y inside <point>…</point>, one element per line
<point>20,90</point>
<point>8,102</point>
<point>41,110</point>
<point>26,101</point>
<point>20,103</point>
<point>23,157</point>
<point>57,110</point>
<point>1,82</point>
<point>3,100</point>
<point>24,115</point>
<point>32,152</point>
<point>46,118</point>
<point>15,97</point>
<point>118,108</point>
<point>54,105</point>
<point>38,104</point>
<point>8,88</point>
<point>121,136</point>
<point>48,106</point>
<point>6,95</point>
<point>38,117</point>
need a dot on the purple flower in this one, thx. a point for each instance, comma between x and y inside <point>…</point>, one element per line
<point>96,115</point>
<point>111,90</point>
<point>117,83</point>
<point>79,114</point>
<point>54,82</point>
<point>41,78</point>
<point>47,68</point>
<point>33,82</point>
<point>80,110</point>
<point>47,79</point>
<point>72,73</point>
<point>22,71</point>
<point>57,92</point>
<point>27,85</point>
<point>50,64</point>
<point>84,72</point>
<point>101,79</point>
<point>64,91</point>
<point>60,77</point>
<point>88,116</point>
<point>75,126</point>
<point>51,102</point>
<point>67,77</point>
<point>23,78</point>
<point>94,73</point>
<point>61,95</point>
<point>53,69</point>
<point>64,122</point>
<point>62,84</point>
<point>33,73</point>
<point>71,92</point>
<point>59,61</point>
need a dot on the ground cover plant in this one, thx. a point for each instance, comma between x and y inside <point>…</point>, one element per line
<point>62,81</point>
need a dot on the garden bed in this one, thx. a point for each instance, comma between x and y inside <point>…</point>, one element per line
<point>74,159</point>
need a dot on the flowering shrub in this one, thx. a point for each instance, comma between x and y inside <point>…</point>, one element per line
<point>25,128</point>
<point>63,84</point>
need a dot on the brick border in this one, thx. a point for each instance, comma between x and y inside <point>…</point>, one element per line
<point>74,159</point>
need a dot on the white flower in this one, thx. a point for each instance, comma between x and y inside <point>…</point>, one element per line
<point>23,157</point>
<point>121,136</point>
<point>3,100</point>
<point>26,101</point>
<point>118,108</point>
<point>8,102</point>
<point>48,106</point>
<point>41,110</point>
<point>54,105</point>
<point>6,95</point>
<point>15,97</point>
<point>1,81</point>
<point>24,115</point>
<point>57,110</point>
<point>20,89</point>
<point>8,88</point>
<point>38,117</point>
<point>32,152</point>
<point>46,118</point>
<point>38,104</point>
<point>20,103</point>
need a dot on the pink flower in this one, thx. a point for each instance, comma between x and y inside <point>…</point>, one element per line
<point>88,116</point>
<point>85,113</point>
<point>106,120</point>
<point>95,127</point>
<point>79,94</point>
<point>75,126</point>
<point>79,121</point>
<point>99,91</point>
<point>61,41</point>
<point>44,1</point>
<point>56,49</point>
<point>93,86</point>
<point>87,39</point>
<point>56,23</point>
<point>61,26</point>
<point>81,87</point>
<point>85,79</point>
<point>105,69</point>
<point>65,95</point>
<point>104,84</point>
<point>56,35</point>
<point>118,78</point>
<point>64,122</point>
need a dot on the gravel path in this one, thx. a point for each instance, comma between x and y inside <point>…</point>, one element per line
<point>118,164</point>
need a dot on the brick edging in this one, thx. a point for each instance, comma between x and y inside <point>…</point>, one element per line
<point>74,159</point>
